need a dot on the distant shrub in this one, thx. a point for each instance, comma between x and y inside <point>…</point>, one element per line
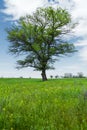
<point>56,76</point>
<point>68,75</point>
<point>51,76</point>
<point>21,77</point>
<point>80,75</point>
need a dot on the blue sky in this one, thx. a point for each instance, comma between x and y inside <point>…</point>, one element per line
<point>11,10</point>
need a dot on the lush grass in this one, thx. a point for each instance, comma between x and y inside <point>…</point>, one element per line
<point>30,104</point>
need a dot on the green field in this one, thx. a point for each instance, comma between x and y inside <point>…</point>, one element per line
<point>30,104</point>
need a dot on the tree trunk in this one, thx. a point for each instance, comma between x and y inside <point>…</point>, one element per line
<point>43,74</point>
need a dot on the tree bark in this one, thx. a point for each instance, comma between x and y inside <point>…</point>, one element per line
<point>43,74</point>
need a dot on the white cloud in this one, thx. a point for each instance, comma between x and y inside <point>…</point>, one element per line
<point>80,9</point>
<point>79,13</point>
<point>81,43</point>
<point>83,54</point>
<point>17,8</point>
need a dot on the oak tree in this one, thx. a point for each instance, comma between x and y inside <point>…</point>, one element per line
<point>40,38</point>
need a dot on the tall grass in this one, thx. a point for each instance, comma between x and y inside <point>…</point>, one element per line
<point>30,104</point>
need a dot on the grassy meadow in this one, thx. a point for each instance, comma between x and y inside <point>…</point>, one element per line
<point>30,104</point>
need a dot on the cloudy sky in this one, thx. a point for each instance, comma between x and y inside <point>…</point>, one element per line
<point>12,10</point>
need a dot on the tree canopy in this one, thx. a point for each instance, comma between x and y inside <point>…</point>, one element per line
<point>40,38</point>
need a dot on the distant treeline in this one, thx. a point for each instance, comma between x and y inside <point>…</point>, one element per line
<point>69,75</point>
<point>66,75</point>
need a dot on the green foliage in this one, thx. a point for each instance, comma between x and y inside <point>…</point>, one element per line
<point>29,104</point>
<point>40,37</point>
